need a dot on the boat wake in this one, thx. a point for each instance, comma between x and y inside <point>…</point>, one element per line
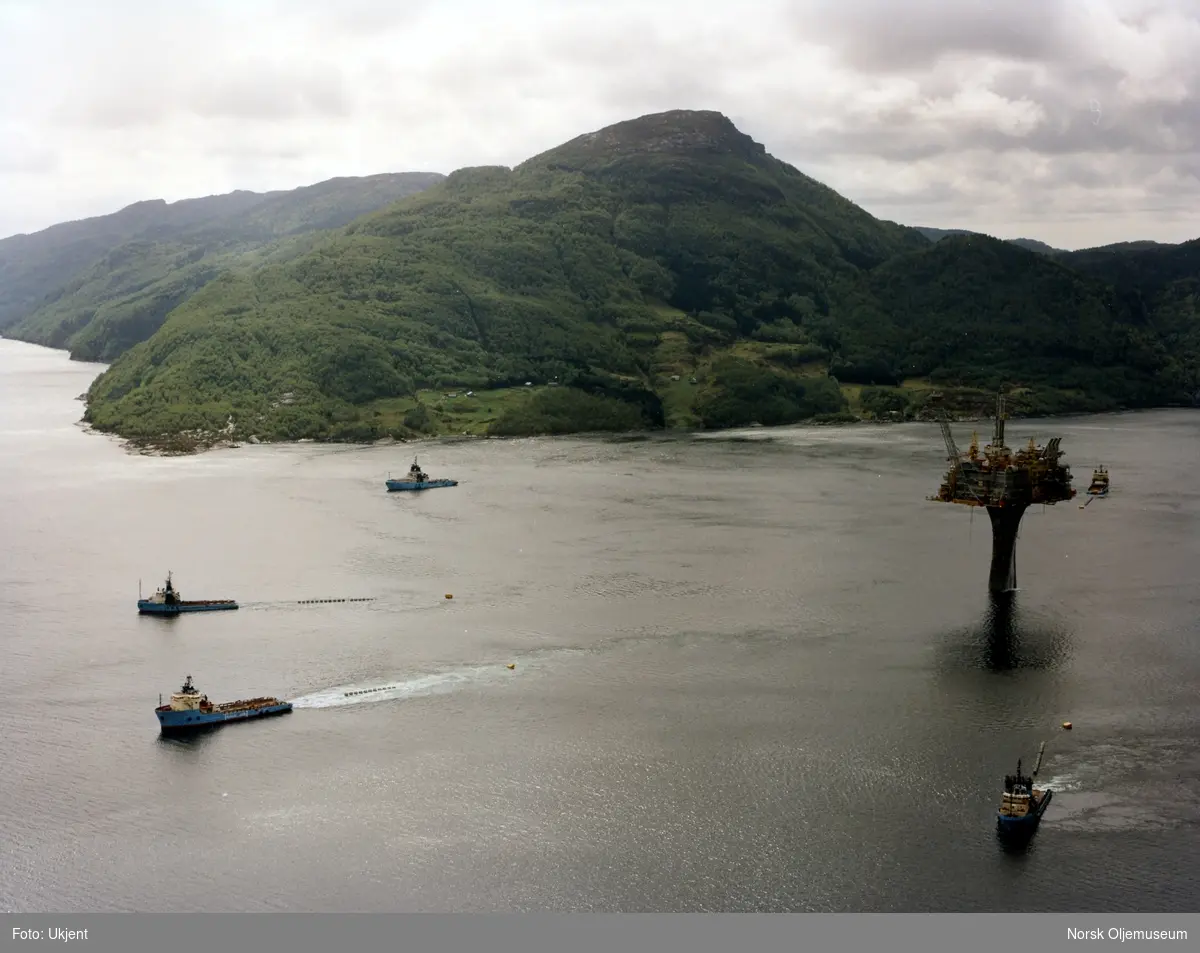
<point>363,692</point>
<point>1062,783</point>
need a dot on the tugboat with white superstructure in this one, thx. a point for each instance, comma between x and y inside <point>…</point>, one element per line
<point>1022,805</point>
<point>189,710</point>
<point>417,479</point>
<point>167,601</point>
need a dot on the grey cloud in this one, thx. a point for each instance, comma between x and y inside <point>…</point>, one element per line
<point>483,73</point>
<point>629,47</point>
<point>252,91</point>
<point>902,135</point>
<point>357,18</point>
<point>266,92</point>
<point>1076,198</point>
<point>884,36</point>
<point>114,93</point>
<point>643,48</point>
<point>621,70</point>
<point>1083,172</point>
<point>112,112</point>
<point>21,155</point>
<point>1076,82</point>
<point>243,151</point>
<point>1061,78</point>
<point>640,67</point>
<point>1183,118</point>
<point>681,89</point>
<point>1139,14</point>
<point>932,195</point>
<point>447,85</point>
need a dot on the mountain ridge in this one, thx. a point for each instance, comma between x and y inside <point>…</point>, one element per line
<point>663,271</point>
<point>184,244</point>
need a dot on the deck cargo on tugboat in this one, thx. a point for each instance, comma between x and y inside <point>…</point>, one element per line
<point>189,710</point>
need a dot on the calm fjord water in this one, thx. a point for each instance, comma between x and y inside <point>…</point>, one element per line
<point>750,675</point>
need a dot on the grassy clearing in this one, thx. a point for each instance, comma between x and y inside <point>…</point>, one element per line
<point>679,398</point>
<point>853,395</point>
<point>674,359</point>
<point>456,414</point>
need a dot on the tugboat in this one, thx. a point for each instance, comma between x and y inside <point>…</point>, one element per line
<point>190,711</point>
<point>1099,484</point>
<point>417,479</point>
<point>166,601</point>
<point>1022,805</point>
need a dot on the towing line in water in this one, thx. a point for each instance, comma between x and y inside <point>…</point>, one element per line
<point>368,691</point>
<point>511,666</point>
<point>284,603</point>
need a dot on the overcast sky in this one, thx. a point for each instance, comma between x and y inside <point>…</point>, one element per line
<point>1073,121</point>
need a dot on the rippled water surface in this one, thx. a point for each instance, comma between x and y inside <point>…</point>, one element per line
<point>752,671</point>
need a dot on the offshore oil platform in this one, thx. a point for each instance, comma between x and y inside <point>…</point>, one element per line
<point>1005,483</point>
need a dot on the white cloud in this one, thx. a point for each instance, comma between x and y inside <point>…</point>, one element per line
<point>972,114</point>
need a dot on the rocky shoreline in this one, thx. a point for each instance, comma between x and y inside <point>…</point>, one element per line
<point>192,443</point>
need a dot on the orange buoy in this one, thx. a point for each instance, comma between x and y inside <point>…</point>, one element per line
<point>449,595</point>
<point>512,665</point>
<point>1067,725</point>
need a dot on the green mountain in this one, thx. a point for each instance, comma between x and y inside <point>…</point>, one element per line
<point>980,313</point>
<point>609,265</point>
<point>1158,286</point>
<point>1030,244</point>
<point>664,271</point>
<point>101,285</point>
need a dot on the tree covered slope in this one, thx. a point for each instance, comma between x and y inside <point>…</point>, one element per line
<point>99,286</point>
<point>1030,244</point>
<point>665,271</point>
<point>980,312</point>
<point>599,265</point>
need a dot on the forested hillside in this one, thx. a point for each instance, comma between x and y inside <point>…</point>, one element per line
<point>662,272</point>
<point>669,246</point>
<point>101,285</point>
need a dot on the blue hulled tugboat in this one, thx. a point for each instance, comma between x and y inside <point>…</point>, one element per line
<point>417,479</point>
<point>166,601</point>
<point>190,711</point>
<point>1022,805</point>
